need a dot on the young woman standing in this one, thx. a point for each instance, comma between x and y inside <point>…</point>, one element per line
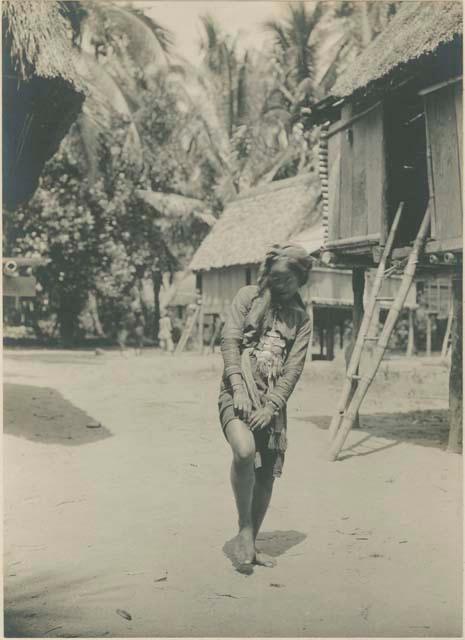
<point>264,344</point>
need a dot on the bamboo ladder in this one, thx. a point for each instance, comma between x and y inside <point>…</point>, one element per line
<point>348,407</point>
<point>186,334</point>
<point>447,336</point>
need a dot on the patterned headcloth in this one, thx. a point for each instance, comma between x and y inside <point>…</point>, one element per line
<point>296,257</point>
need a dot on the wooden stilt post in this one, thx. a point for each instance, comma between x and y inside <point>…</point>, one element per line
<point>311,315</point>
<point>410,341</point>
<point>341,335</point>
<point>428,334</point>
<point>358,287</point>
<point>456,374</point>
<point>321,335</point>
<point>201,327</point>
<point>330,336</point>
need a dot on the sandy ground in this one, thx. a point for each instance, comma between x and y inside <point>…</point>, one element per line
<point>119,530</point>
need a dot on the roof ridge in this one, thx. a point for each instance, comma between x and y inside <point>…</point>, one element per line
<point>418,30</point>
<point>276,185</point>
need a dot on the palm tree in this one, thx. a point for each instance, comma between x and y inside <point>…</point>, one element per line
<point>350,27</point>
<point>121,51</point>
<point>236,120</point>
<point>295,42</point>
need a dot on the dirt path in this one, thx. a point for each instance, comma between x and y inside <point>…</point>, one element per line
<point>118,530</point>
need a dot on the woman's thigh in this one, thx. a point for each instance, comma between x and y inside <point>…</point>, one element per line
<point>240,439</point>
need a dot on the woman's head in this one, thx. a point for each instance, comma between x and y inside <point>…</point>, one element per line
<point>284,270</point>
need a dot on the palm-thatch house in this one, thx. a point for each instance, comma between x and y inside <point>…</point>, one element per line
<point>393,126</point>
<point>42,96</point>
<point>184,294</point>
<point>229,257</point>
<point>42,93</point>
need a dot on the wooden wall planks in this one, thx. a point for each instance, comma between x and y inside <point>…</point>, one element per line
<point>360,154</point>
<point>442,130</point>
<point>334,186</point>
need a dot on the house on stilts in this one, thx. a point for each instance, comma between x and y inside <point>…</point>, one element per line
<point>229,257</point>
<point>391,176</point>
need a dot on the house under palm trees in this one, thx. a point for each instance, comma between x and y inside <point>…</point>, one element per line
<point>283,211</point>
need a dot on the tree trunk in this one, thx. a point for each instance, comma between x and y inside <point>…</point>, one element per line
<point>365,23</point>
<point>35,315</point>
<point>157,282</point>
<point>358,287</point>
<point>456,374</point>
<point>68,323</point>
<point>70,305</point>
<point>428,335</point>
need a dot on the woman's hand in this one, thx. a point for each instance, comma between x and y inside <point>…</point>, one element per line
<point>261,418</point>
<point>242,403</point>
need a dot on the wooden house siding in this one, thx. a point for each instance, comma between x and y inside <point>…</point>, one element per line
<point>325,287</point>
<point>219,286</point>
<point>357,177</point>
<point>328,287</point>
<point>443,109</point>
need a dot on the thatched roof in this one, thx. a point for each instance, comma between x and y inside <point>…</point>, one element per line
<point>37,38</point>
<point>41,90</point>
<point>258,219</point>
<point>418,30</point>
<point>184,292</point>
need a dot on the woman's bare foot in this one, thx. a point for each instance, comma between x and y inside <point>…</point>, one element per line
<point>244,547</point>
<point>263,560</point>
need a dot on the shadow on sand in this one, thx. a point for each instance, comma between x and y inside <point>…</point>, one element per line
<point>42,414</point>
<point>427,428</point>
<point>45,606</point>
<point>272,543</point>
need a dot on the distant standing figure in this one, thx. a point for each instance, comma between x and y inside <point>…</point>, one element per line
<point>139,330</point>
<point>264,344</point>
<point>165,331</point>
<point>131,325</point>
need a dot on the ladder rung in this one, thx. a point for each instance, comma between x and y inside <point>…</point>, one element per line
<point>355,377</point>
<point>371,338</point>
<point>385,298</point>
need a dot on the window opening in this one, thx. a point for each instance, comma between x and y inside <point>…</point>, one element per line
<point>407,163</point>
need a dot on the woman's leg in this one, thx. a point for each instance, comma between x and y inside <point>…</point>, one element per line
<point>261,499</point>
<point>242,444</point>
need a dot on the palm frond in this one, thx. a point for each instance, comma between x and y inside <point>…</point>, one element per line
<point>242,90</point>
<point>164,36</point>
<point>175,205</point>
<point>146,42</point>
<point>278,31</point>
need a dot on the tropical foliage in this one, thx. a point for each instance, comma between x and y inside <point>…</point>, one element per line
<point>161,145</point>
